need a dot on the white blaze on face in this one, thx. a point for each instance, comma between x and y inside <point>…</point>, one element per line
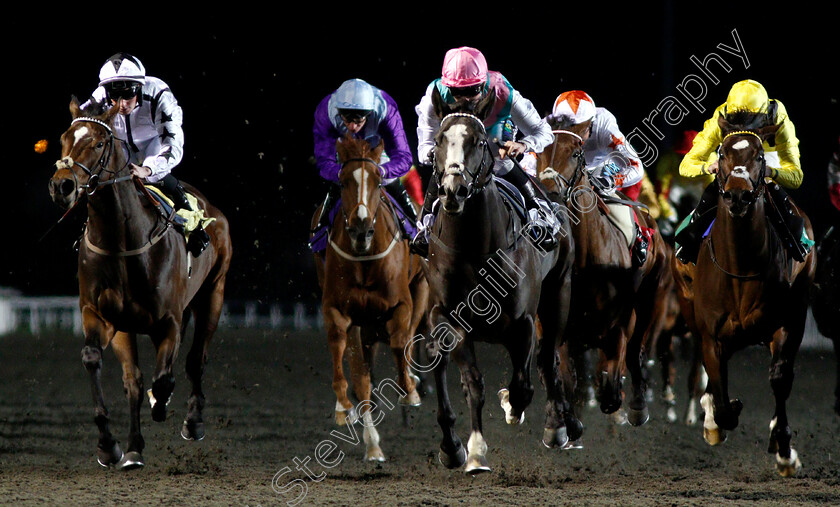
<point>80,133</point>
<point>740,171</point>
<point>740,145</point>
<point>455,156</point>
<point>361,176</point>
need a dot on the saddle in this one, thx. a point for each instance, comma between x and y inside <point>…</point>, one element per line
<point>185,220</point>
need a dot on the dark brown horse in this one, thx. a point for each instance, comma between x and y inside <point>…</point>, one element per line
<point>825,297</point>
<point>373,289</point>
<point>613,303</point>
<point>136,277</point>
<point>488,281</point>
<point>746,290</point>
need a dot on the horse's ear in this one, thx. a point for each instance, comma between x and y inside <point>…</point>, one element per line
<point>768,132</point>
<point>341,149</point>
<point>441,108</point>
<point>725,126</point>
<point>485,105</point>
<point>377,152</point>
<point>75,108</point>
<point>110,113</point>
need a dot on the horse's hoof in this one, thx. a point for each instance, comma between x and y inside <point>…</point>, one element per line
<point>619,417</point>
<point>714,437</point>
<point>158,409</point>
<point>130,461</point>
<point>504,400</point>
<point>348,416</point>
<point>574,428</point>
<point>192,430</point>
<point>788,467</point>
<point>638,417</point>
<point>573,444</point>
<point>454,460</point>
<point>671,414</point>
<point>110,457</point>
<point>477,464</point>
<point>374,454</point>
<point>555,437</point>
<point>412,399</point>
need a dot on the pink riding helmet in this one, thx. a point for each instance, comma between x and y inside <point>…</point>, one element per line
<point>464,66</point>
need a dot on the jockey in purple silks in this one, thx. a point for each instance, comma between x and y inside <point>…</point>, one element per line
<point>368,113</point>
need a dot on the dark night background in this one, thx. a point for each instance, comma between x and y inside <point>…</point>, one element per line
<point>248,92</point>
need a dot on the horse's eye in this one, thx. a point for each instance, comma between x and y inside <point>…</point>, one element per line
<point>99,145</point>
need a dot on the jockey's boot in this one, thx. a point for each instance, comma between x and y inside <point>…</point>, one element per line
<point>420,243</point>
<point>397,191</point>
<point>199,239</point>
<point>541,226</point>
<point>640,249</point>
<point>333,194</point>
<point>689,234</point>
<point>789,225</point>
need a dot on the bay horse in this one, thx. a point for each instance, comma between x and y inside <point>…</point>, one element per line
<point>488,282</point>
<point>825,297</point>
<point>613,303</point>
<point>136,277</point>
<point>745,289</point>
<point>373,289</point>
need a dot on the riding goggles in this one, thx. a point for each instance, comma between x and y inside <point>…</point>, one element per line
<point>122,90</point>
<point>467,91</point>
<point>353,115</point>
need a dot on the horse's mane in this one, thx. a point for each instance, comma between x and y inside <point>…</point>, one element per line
<point>747,120</point>
<point>357,147</point>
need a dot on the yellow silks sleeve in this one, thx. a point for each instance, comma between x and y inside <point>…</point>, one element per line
<point>704,150</point>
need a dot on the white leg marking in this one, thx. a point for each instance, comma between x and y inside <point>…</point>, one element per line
<point>476,444</point>
<point>708,404</point>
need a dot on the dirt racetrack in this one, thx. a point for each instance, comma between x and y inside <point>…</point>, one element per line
<point>269,405</point>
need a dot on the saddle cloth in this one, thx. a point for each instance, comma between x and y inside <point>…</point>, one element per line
<point>188,219</point>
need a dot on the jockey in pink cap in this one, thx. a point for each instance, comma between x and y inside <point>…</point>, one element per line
<point>466,78</point>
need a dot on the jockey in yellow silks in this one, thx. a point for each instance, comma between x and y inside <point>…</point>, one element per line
<point>781,155</point>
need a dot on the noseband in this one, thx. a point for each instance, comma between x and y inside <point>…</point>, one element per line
<point>578,172</point>
<point>479,178</point>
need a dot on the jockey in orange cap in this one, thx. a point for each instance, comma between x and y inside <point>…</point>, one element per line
<point>610,160</point>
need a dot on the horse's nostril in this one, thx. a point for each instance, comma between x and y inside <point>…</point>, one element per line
<point>462,191</point>
<point>66,187</point>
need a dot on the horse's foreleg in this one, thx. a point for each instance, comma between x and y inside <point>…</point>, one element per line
<point>207,308</point>
<point>452,453</point>
<point>125,348</point>
<point>520,347</point>
<point>167,339</point>
<point>97,335</point>
<point>359,356</point>
<point>721,415</point>
<point>610,370</point>
<point>472,384</point>
<point>399,333</point>
<point>784,348</point>
<point>665,354</point>
<point>697,380</point>
<point>338,326</point>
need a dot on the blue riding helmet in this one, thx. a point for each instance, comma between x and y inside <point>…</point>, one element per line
<point>355,94</point>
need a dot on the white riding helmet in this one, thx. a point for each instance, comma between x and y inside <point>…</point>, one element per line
<point>122,67</point>
<point>575,104</point>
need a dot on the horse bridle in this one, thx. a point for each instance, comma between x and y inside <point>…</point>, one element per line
<point>94,179</point>
<point>480,175</point>
<point>578,172</point>
<point>758,184</point>
<point>394,240</point>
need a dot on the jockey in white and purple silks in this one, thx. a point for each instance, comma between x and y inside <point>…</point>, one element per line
<point>465,78</point>
<point>368,113</point>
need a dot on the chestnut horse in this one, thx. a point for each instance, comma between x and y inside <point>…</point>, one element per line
<point>488,281</point>
<point>613,303</point>
<point>136,277</point>
<point>746,290</point>
<point>373,289</point>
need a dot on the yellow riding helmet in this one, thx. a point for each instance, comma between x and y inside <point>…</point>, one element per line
<point>747,95</point>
